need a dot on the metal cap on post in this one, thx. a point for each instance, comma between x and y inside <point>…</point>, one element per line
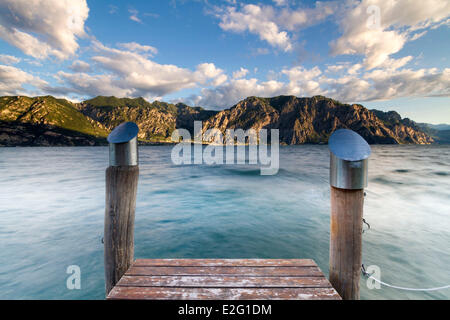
<point>123,150</point>
<point>349,160</point>
<point>348,178</point>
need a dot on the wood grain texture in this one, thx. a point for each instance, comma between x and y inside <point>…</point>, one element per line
<point>243,271</point>
<point>224,262</point>
<point>121,189</point>
<point>224,282</point>
<point>346,241</point>
<point>222,279</point>
<point>161,293</point>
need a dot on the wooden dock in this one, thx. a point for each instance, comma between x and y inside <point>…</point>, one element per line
<point>223,279</point>
<point>236,279</point>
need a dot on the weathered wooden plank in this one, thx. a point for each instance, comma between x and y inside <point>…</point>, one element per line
<point>224,262</point>
<point>237,271</point>
<point>220,279</point>
<point>224,281</point>
<point>164,293</point>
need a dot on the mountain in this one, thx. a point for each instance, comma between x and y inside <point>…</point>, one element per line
<point>439,132</point>
<point>156,120</point>
<point>438,127</point>
<point>405,128</point>
<point>46,121</point>
<point>442,136</point>
<point>50,121</point>
<point>312,120</point>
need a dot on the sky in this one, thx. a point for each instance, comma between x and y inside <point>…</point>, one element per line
<point>383,54</point>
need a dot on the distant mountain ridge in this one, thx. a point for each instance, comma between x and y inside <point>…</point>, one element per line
<point>156,120</point>
<point>438,127</point>
<point>312,120</point>
<point>48,121</point>
<point>439,132</point>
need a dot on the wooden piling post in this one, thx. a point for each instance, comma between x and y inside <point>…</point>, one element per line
<point>121,188</point>
<point>346,241</point>
<point>348,178</point>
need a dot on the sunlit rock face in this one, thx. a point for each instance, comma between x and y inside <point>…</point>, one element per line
<point>312,120</point>
<point>47,121</point>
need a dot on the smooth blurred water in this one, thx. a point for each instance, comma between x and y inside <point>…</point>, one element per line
<point>52,207</point>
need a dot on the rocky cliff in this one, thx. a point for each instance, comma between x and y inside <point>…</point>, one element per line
<point>50,121</point>
<point>312,120</point>
<point>156,120</point>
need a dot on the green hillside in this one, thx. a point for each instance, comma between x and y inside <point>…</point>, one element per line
<point>49,111</point>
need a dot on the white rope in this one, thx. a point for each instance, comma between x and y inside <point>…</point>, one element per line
<point>407,289</point>
<point>369,276</point>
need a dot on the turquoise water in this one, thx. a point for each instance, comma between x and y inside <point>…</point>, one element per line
<point>52,207</point>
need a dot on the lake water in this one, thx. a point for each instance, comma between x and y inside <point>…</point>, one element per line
<point>52,211</point>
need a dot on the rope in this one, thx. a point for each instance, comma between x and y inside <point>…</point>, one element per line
<point>369,276</point>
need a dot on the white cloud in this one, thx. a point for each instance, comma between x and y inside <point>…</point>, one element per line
<point>89,85</point>
<point>336,68</point>
<point>344,67</point>
<point>349,86</point>
<point>219,80</point>
<point>136,47</point>
<point>408,83</point>
<point>418,35</point>
<point>392,24</point>
<point>379,84</point>
<point>232,92</point>
<point>143,75</point>
<point>130,73</point>
<point>293,20</point>
<point>12,81</point>
<point>33,62</point>
<point>271,24</point>
<point>354,69</point>
<point>134,15</point>
<point>41,28</point>
<point>242,72</point>
<point>280,2</point>
<point>383,84</point>
<point>302,81</point>
<point>257,20</point>
<point>7,59</point>
<point>394,64</point>
<point>209,72</point>
<point>80,66</point>
<point>300,74</point>
<point>376,45</point>
<point>375,29</point>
